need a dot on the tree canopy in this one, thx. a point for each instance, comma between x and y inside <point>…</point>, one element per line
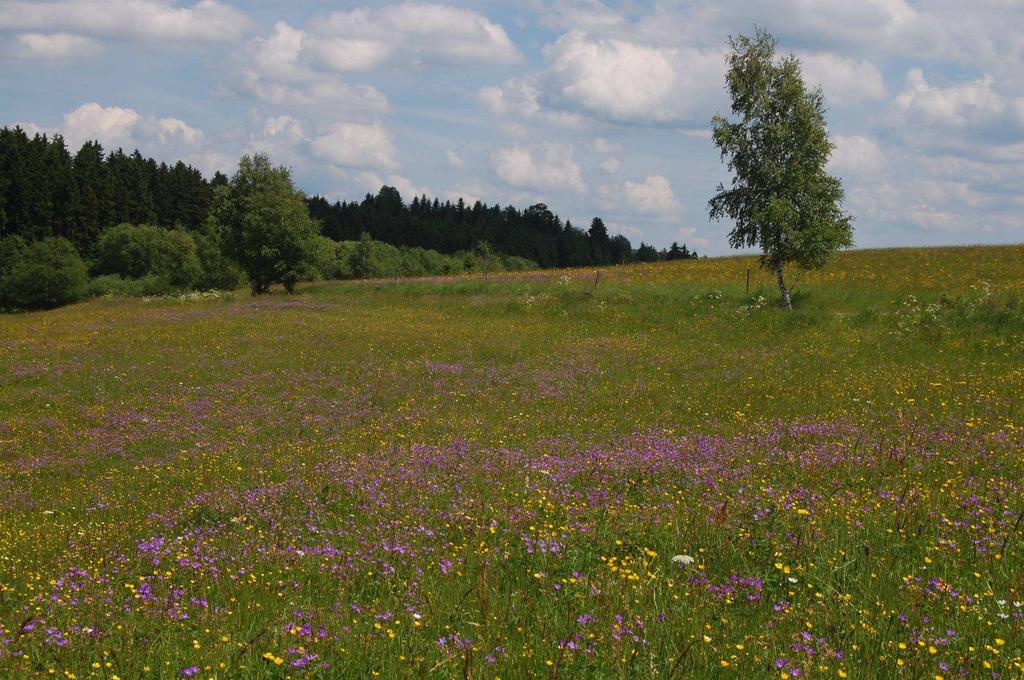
<point>269,230</point>
<point>781,198</point>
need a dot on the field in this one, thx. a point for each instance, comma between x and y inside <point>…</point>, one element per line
<point>650,473</point>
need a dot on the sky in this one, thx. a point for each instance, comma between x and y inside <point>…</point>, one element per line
<point>594,108</point>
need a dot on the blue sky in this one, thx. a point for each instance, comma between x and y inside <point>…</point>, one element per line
<point>595,108</point>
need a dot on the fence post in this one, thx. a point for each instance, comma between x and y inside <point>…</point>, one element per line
<point>748,279</point>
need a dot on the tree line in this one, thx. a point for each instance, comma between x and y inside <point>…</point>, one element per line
<point>535,233</point>
<point>94,222</point>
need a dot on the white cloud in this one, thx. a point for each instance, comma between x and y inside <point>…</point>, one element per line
<point>613,77</point>
<point>54,46</point>
<point>856,154</point>
<point>611,165</point>
<point>408,33</point>
<point>602,145</point>
<point>284,127</point>
<point>455,161</point>
<point>207,20</point>
<point>370,182</point>
<point>112,126</point>
<point>520,97</point>
<point>652,198</point>
<point>844,81</point>
<point>283,138</point>
<point>167,138</point>
<point>275,69</point>
<point>407,188</point>
<point>973,117</point>
<point>173,130</point>
<point>625,81</point>
<point>542,167</point>
<point>958,105</point>
<point>357,145</point>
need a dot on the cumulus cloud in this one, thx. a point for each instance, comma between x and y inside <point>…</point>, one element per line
<point>540,167</point>
<point>372,182</point>
<point>455,161</point>
<point>115,127</point>
<point>112,126</point>
<point>173,130</point>
<point>602,145</point>
<point>275,69</point>
<point>625,81</point>
<point>960,105</point>
<point>844,81</point>
<point>54,46</point>
<point>520,97</point>
<point>304,66</point>
<point>856,154</point>
<point>408,33</point>
<point>612,79</point>
<point>652,197</point>
<point>974,117</point>
<point>207,20</point>
<point>357,145</point>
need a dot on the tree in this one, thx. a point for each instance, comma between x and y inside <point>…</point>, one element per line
<point>646,253</point>
<point>600,243</point>
<point>620,248</point>
<point>781,199</point>
<point>270,233</point>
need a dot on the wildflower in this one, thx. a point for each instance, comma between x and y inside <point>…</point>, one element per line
<point>684,560</point>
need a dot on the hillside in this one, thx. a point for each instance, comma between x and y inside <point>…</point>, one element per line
<point>649,473</point>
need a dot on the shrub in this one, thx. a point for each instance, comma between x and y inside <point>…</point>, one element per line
<point>49,274</point>
<point>217,270</point>
<point>12,249</point>
<point>141,250</point>
<point>366,260</point>
<point>330,259</point>
<point>146,286</point>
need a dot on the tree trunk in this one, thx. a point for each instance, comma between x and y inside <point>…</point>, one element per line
<point>785,291</point>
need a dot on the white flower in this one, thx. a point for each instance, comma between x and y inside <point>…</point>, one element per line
<point>684,560</point>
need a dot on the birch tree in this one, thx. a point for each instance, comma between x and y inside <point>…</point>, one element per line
<point>781,199</point>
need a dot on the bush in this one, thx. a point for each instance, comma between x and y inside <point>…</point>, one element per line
<point>136,251</point>
<point>146,286</point>
<point>49,274</point>
<point>12,249</point>
<point>369,259</point>
<point>331,260</point>
<point>217,270</point>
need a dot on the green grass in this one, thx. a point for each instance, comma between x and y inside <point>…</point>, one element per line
<point>362,469</point>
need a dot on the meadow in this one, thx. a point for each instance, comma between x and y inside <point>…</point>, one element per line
<point>646,472</point>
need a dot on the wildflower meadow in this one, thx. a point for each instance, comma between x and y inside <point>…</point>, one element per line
<point>646,471</point>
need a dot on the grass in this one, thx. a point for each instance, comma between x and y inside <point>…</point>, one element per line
<point>469,478</point>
